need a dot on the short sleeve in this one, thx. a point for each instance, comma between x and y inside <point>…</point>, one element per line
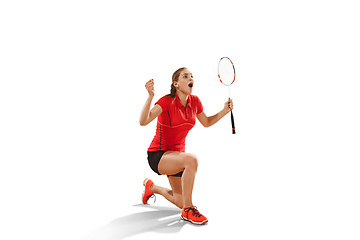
<point>199,106</point>
<point>163,103</point>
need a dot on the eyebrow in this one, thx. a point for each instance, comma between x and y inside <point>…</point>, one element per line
<point>187,73</point>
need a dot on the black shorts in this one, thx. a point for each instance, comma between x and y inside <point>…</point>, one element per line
<point>154,159</point>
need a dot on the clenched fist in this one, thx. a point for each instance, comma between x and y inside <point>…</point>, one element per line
<point>150,87</point>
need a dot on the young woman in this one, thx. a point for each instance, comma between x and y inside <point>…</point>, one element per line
<point>176,114</point>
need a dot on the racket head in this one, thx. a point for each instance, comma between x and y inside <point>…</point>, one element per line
<point>226,71</point>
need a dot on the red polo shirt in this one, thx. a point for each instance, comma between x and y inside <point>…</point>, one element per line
<point>174,123</point>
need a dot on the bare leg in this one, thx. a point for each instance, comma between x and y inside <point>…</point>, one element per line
<point>166,193</point>
<point>174,162</point>
<point>188,179</point>
<point>174,196</point>
<point>176,186</point>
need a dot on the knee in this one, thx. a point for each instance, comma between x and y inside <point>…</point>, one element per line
<point>192,161</point>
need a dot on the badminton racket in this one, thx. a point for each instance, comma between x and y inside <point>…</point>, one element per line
<point>226,74</point>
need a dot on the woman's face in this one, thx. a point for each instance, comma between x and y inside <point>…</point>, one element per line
<point>185,82</point>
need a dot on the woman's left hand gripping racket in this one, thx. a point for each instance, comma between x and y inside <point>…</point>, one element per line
<point>226,74</point>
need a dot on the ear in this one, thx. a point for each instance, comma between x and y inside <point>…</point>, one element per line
<point>175,84</point>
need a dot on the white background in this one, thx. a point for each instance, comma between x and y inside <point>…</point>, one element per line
<point>73,155</point>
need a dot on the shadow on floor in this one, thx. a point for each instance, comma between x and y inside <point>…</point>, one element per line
<point>153,219</point>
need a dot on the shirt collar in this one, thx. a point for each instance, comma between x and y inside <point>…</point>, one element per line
<point>179,104</point>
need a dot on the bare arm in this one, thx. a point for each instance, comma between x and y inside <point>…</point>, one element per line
<point>209,121</point>
<point>148,115</point>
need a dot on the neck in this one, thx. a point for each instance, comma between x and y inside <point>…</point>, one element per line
<point>183,97</point>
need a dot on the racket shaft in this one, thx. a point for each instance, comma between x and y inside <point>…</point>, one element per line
<point>232,123</point>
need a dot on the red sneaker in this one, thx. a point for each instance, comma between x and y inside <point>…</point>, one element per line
<point>147,193</point>
<point>192,215</point>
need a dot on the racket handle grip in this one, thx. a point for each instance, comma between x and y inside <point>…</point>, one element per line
<point>232,123</point>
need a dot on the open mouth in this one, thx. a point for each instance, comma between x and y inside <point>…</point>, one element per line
<point>191,84</point>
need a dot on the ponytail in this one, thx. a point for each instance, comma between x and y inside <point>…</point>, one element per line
<point>172,91</point>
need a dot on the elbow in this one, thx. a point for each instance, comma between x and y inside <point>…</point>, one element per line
<point>206,125</point>
<point>142,123</point>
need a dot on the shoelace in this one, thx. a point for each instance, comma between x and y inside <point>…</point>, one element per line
<point>152,196</point>
<point>194,210</point>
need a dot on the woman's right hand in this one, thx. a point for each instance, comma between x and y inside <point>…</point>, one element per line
<point>150,87</point>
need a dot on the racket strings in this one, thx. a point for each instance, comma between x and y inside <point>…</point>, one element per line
<point>226,74</point>
<point>226,71</point>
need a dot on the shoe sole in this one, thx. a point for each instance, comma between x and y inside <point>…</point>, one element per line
<point>197,223</point>
<point>142,195</point>
<point>145,181</point>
